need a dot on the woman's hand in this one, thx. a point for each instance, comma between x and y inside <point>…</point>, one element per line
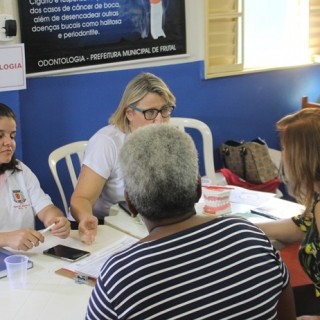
<point>88,229</point>
<point>61,227</point>
<point>23,239</point>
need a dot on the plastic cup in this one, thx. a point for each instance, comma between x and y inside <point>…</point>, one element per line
<point>217,200</point>
<point>17,266</point>
<point>205,181</point>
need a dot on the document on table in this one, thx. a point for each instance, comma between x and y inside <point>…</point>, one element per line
<point>249,197</point>
<point>276,208</point>
<point>91,265</point>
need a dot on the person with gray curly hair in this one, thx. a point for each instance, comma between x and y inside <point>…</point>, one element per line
<point>168,195</point>
<point>191,265</point>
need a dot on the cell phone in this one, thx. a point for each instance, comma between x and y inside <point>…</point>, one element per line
<point>124,206</point>
<point>66,253</point>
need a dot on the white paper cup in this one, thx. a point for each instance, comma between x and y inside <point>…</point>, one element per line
<point>17,266</point>
<point>216,200</point>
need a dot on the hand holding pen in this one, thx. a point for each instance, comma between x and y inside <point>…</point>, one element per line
<point>60,228</point>
<point>47,229</point>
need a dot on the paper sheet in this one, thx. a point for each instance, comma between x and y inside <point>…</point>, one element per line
<point>92,265</point>
<point>249,197</point>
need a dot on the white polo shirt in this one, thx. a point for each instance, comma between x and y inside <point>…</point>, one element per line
<point>21,198</point>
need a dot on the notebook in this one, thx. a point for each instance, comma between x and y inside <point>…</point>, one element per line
<point>3,254</point>
<point>277,208</point>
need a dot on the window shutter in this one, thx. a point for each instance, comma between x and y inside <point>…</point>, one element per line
<point>314,30</point>
<point>223,37</point>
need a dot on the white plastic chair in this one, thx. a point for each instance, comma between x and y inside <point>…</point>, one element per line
<point>207,140</point>
<point>69,153</point>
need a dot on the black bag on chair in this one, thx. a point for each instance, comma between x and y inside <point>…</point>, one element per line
<point>249,160</point>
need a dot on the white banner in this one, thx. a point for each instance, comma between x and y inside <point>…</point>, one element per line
<point>12,67</point>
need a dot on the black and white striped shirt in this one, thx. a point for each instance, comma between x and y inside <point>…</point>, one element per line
<point>223,269</point>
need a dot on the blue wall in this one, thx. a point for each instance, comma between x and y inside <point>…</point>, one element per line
<point>60,109</point>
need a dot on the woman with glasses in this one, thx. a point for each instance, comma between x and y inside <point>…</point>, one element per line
<point>300,141</point>
<point>146,100</point>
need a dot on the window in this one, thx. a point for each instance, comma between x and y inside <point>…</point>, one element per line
<point>223,36</point>
<point>250,35</point>
<point>314,30</point>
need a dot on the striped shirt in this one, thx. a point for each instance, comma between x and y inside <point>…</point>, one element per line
<point>223,269</point>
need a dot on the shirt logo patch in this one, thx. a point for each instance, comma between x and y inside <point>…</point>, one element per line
<point>18,196</point>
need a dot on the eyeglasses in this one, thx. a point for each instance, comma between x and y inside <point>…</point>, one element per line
<point>151,114</point>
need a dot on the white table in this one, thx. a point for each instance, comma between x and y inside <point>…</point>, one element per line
<point>242,201</point>
<point>48,295</point>
<point>122,221</point>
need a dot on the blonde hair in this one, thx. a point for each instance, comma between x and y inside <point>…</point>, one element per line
<point>300,140</point>
<point>136,90</point>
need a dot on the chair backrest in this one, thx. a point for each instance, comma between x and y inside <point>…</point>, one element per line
<point>306,104</point>
<point>185,123</point>
<point>69,153</point>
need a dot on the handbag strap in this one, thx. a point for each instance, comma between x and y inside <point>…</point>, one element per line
<point>243,153</point>
<point>224,152</point>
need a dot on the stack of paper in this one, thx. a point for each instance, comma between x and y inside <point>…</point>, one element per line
<point>92,264</point>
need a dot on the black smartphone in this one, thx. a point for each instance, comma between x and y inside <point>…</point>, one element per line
<point>124,206</point>
<point>66,253</point>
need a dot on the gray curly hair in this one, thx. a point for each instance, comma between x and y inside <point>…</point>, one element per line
<point>160,170</point>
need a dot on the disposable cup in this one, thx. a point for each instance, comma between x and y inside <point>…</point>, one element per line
<point>216,200</point>
<point>205,181</point>
<point>17,266</point>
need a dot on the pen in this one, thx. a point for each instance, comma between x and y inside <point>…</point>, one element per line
<point>267,215</point>
<point>47,229</point>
